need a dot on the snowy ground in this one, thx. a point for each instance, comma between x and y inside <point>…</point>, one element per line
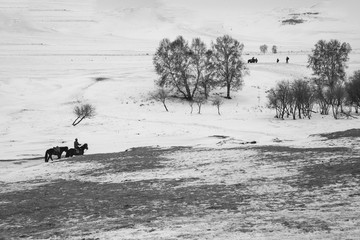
<point>52,53</point>
<point>40,114</point>
<point>244,192</point>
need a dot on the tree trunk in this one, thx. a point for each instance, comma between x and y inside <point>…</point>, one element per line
<point>294,113</point>
<point>165,106</point>
<point>74,124</point>
<point>188,91</point>
<point>75,121</point>
<point>334,112</point>
<point>205,91</point>
<point>228,86</point>
<point>199,105</point>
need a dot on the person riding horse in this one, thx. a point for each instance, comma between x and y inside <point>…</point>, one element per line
<point>77,145</point>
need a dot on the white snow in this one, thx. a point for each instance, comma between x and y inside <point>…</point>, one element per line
<point>52,52</point>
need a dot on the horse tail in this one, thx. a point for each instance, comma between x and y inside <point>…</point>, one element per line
<point>46,158</point>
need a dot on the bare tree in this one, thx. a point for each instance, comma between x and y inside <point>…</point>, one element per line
<point>191,104</point>
<point>217,101</point>
<point>83,111</point>
<point>339,97</point>
<point>208,80</point>
<point>263,48</point>
<point>302,96</point>
<point>199,100</point>
<point>172,63</point>
<point>353,90</point>
<point>199,64</point>
<point>280,98</point>
<point>274,49</point>
<point>183,67</point>
<point>161,95</point>
<point>230,68</point>
<point>328,62</point>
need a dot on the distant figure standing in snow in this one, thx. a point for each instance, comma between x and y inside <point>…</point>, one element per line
<point>277,60</point>
<point>287,59</point>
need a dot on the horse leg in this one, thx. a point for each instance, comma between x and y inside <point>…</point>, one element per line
<point>46,158</point>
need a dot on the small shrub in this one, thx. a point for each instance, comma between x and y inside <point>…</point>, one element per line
<point>263,48</point>
<point>161,95</point>
<point>292,21</point>
<point>191,104</point>
<point>353,90</point>
<point>83,111</point>
<point>199,100</point>
<point>217,101</point>
<point>274,49</point>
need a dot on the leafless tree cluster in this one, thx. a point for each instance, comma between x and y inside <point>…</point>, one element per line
<point>292,99</point>
<point>329,89</point>
<point>353,91</point>
<point>192,69</point>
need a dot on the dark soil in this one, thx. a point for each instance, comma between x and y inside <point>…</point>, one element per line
<point>327,180</point>
<point>351,133</point>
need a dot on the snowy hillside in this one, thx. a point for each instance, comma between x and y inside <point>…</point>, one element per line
<point>51,53</point>
<point>138,25</point>
<point>242,174</point>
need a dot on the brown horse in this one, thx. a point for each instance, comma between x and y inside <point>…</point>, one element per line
<point>72,151</point>
<point>54,151</point>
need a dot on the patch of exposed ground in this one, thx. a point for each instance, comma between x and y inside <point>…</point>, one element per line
<point>292,21</point>
<point>298,18</point>
<point>351,133</point>
<point>266,192</point>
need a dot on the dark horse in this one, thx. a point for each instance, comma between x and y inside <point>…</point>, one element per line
<point>252,60</point>
<point>54,151</point>
<point>72,151</point>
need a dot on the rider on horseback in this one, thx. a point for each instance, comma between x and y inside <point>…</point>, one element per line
<point>77,145</point>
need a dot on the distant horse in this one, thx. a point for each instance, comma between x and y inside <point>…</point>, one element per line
<point>252,60</point>
<point>72,151</point>
<point>54,151</point>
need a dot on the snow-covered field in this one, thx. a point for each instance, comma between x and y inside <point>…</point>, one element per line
<point>53,52</point>
<point>38,94</point>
